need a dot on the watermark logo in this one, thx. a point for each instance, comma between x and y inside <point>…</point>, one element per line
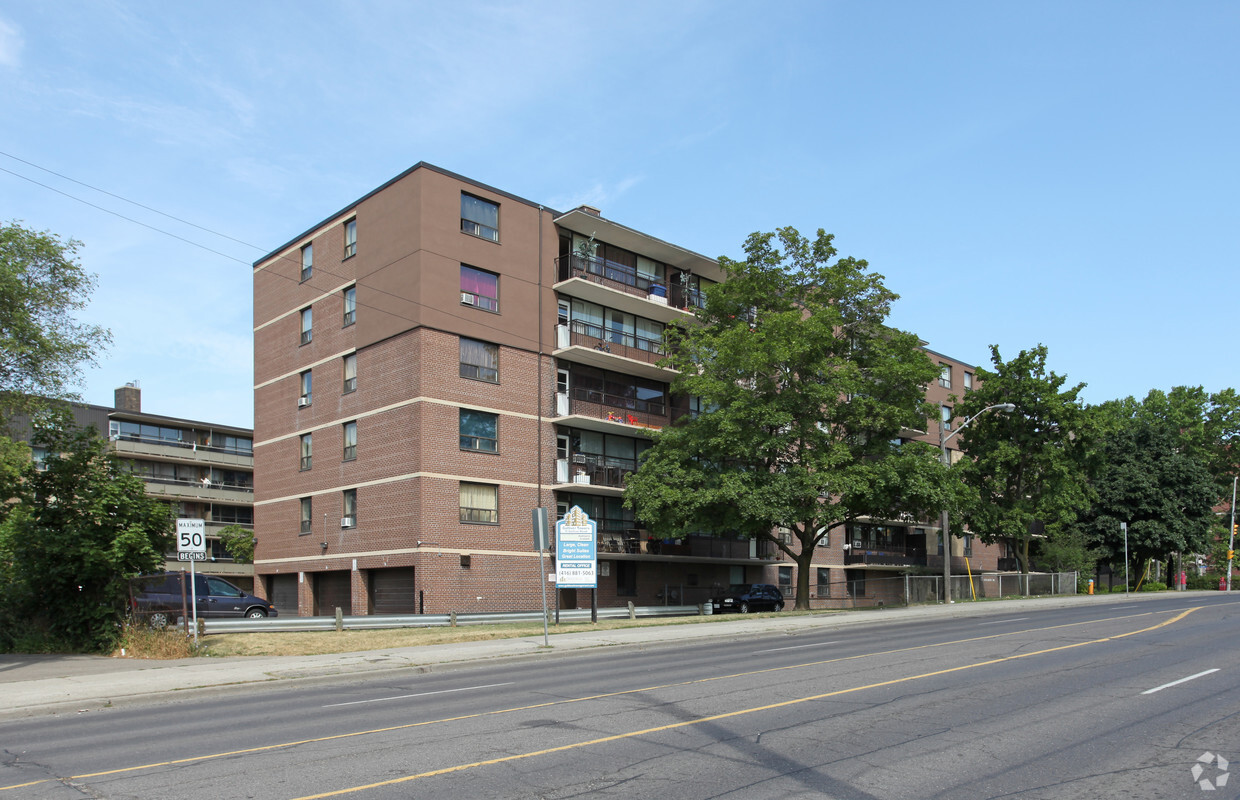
<point>1220,774</point>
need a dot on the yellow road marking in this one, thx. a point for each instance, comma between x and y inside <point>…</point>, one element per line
<point>726,715</point>
<point>819,663</point>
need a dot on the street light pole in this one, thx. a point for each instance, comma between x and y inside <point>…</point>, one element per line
<point>944,527</point>
<point>1231,536</point>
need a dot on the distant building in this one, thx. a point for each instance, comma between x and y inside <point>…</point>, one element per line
<point>205,470</point>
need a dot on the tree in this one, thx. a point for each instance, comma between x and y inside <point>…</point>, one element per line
<point>42,345</point>
<point>239,542</point>
<point>1028,470</point>
<point>1154,476</point>
<point>82,526</point>
<point>803,390</point>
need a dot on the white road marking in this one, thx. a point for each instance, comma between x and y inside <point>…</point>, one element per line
<point>794,647</point>
<point>1001,621</point>
<point>1177,683</point>
<point>421,694</point>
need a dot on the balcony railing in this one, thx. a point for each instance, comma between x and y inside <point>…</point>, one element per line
<point>872,553</point>
<point>626,279</point>
<point>599,470</point>
<point>620,343</point>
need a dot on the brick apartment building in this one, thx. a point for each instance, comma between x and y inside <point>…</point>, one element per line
<point>439,358</point>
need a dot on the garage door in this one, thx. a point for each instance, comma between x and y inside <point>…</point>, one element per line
<point>392,591</point>
<point>283,594</point>
<point>332,591</point>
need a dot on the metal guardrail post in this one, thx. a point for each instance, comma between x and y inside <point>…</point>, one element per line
<point>339,619</point>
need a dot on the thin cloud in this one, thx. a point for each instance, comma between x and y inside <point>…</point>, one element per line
<point>11,44</point>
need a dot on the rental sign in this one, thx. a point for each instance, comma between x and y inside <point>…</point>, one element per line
<point>576,551</point>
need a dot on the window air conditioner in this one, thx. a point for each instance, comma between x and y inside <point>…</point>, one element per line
<point>467,298</point>
<point>857,543</point>
<point>346,522</point>
<point>303,401</point>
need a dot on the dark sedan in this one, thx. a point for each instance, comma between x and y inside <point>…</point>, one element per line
<point>746,597</point>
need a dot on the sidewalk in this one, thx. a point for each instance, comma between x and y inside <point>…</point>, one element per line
<point>33,685</point>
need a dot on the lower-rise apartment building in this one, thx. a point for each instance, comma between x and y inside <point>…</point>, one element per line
<point>439,358</point>
<point>205,470</point>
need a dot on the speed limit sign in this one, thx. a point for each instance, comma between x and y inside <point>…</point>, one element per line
<point>191,540</point>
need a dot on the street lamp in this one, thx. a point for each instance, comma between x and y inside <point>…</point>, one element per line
<point>944,438</point>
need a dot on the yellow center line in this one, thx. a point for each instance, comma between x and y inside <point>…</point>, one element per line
<point>750,673</point>
<point>726,715</point>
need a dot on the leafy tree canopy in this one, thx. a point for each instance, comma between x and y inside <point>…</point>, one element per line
<point>81,527</point>
<point>1154,477</point>
<point>1028,469</point>
<point>42,345</point>
<point>239,542</point>
<point>802,390</point>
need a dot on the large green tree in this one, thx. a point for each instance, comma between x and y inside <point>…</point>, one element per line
<point>802,390</point>
<point>1028,470</point>
<point>42,345</point>
<point>1155,476</point>
<point>81,526</point>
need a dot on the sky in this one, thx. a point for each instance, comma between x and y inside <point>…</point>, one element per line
<point>1057,173</point>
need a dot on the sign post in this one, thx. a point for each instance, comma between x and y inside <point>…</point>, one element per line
<point>541,535</point>
<point>191,547</point>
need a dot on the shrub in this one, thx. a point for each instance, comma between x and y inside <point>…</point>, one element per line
<point>1153,586</point>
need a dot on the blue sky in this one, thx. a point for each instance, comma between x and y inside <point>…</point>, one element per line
<point>1062,173</point>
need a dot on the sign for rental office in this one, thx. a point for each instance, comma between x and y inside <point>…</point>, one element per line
<point>576,551</point>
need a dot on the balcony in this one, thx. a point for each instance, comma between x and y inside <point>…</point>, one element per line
<point>631,353</point>
<point>872,554</point>
<point>164,450</point>
<point>599,411</point>
<point>635,542</point>
<point>623,288</point>
<point>197,490</point>
<point>587,471</point>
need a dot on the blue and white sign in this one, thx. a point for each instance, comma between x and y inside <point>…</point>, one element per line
<point>576,551</point>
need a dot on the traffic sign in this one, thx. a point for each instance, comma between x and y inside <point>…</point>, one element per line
<point>192,538</point>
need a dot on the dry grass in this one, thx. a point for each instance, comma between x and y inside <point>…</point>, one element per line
<point>320,642</point>
<point>141,641</point>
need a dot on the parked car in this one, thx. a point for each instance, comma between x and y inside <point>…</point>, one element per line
<point>746,597</point>
<point>158,598</point>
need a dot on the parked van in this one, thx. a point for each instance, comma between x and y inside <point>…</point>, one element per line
<point>158,598</point>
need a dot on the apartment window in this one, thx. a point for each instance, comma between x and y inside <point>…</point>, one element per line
<point>349,504</point>
<point>350,373</point>
<point>307,262</point>
<point>945,375</point>
<point>479,360</point>
<point>307,383</point>
<point>479,431</point>
<point>479,503</point>
<point>945,413</point>
<point>350,306</point>
<point>479,288</point>
<point>306,451</point>
<point>968,381</point>
<point>785,579</point>
<point>307,325</point>
<point>479,217</point>
<point>307,515</point>
<point>466,561</point>
<point>968,545</point>
<point>350,238</point>
<point>824,582</point>
<point>350,441</point>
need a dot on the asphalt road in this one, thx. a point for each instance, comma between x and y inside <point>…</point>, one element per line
<point>1091,701</point>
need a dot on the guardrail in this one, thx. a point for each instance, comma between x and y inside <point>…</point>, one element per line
<point>377,622</point>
